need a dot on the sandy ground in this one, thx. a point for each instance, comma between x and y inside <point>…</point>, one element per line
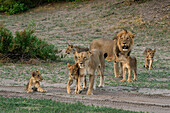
<point>116,98</point>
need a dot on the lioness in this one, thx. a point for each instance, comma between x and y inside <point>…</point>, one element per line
<point>149,54</point>
<point>92,61</point>
<point>73,49</point>
<point>129,63</point>
<point>75,73</point>
<point>34,83</point>
<point>121,44</point>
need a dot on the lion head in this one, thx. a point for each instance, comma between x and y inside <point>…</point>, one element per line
<point>69,49</point>
<point>83,58</point>
<point>73,69</point>
<point>150,53</point>
<point>37,76</point>
<point>125,41</point>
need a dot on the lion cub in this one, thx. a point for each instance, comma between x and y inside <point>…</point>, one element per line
<point>76,73</point>
<point>129,63</point>
<point>34,83</point>
<point>149,54</point>
<point>73,49</point>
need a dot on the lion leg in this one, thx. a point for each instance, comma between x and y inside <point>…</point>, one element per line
<point>94,85</point>
<point>146,63</point>
<point>121,70</point>
<point>150,65</point>
<point>76,89</point>
<point>29,90</point>
<point>116,69</point>
<point>101,78</point>
<point>129,75</point>
<point>135,74</point>
<point>79,85</point>
<point>39,89</point>
<point>70,82</point>
<point>85,82</point>
<point>124,75</point>
<point>91,83</point>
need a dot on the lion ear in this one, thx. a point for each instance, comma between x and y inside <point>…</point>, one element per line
<point>154,50</point>
<point>77,65</point>
<point>68,64</point>
<point>115,38</point>
<point>89,53</point>
<point>33,74</point>
<point>124,31</point>
<point>131,34</point>
<point>38,71</point>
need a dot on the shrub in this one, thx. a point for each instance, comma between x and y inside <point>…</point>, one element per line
<point>6,40</point>
<point>13,7</point>
<point>25,45</point>
<point>18,6</point>
<point>28,45</point>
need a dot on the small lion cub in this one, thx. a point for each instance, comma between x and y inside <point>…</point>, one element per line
<point>149,54</point>
<point>75,73</point>
<point>34,83</point>
<point>128,63</point>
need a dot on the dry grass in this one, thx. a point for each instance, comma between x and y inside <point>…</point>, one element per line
<point>80,23</point>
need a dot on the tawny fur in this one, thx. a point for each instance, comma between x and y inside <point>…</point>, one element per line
<point>122,43</point>
<point>72,49</point>
<point>130,64</point>
<point>149,54</point>
<point>34,83</point>
<point>75,73</point>
<point>92,62</point>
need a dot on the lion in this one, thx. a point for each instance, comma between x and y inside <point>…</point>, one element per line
<point>34,83</point>
<point>75,73</point>
<point>122,43</point>
<point>72,49</point>
<point>92,61</point>
<point>129,63</point>
<point>149,54</point>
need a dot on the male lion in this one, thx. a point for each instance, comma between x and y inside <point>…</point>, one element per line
<point>129,63</point>
<point>34,83</point>
<point>75,73</point>
<point>149,54</point>
<point>121,44</point>
<point>73,49</point>
<point>92,61</point>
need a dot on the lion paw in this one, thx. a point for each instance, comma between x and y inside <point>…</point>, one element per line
<point>89,93</point>
<point>123,80</point>
<point>129,80</point>
<point>150,68</point>
<point>100,86</point>
<point>135,79</point>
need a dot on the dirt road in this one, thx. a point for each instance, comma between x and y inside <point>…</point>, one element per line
<point>114,99</point>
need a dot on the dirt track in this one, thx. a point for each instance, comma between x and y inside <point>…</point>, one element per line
<point>114,99</point>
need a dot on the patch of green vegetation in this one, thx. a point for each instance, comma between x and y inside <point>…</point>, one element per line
<point>47,105</point>
<point>25,45</point>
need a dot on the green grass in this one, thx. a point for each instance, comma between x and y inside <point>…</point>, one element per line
<point>20,105</point>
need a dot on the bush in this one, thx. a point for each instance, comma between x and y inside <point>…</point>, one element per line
<point>13,7</point>
<point>19,6</point>
<point>25,45</point>
<point>6,40</point>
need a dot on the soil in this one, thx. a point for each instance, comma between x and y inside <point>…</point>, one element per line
<point>116,98</point>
